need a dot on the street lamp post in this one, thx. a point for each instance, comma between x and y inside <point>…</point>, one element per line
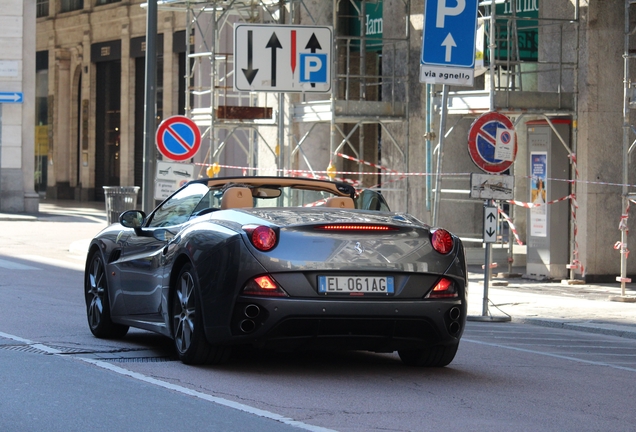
<point>150,107</point>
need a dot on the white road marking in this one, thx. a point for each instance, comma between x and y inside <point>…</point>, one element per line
<point>559,356</point>
<point>141,377</point>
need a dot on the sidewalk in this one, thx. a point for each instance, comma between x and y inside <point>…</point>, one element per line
<point>69,226</point>
<point>553,304</point>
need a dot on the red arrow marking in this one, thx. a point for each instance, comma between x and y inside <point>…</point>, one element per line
<point>293,51</point>
<point>487,137</point>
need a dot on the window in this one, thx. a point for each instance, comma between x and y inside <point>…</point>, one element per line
<point>42,8</point>
<point>71,5</point>
<point>103,2</point>
<point>179,207</point>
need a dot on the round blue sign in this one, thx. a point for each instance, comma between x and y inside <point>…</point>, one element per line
<point>482,139</point>
<point>178,138</point>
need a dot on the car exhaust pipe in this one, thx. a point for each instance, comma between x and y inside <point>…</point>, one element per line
<point>454,328</point>
<point>247,326</point>
<point>252,311</point>
<point>455,313</point>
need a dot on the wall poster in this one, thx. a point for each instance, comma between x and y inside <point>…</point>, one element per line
<point>539,194</point>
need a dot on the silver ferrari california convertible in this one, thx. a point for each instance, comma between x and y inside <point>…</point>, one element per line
<point>279,263</point>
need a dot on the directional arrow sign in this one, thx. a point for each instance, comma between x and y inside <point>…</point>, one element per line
<point>282,58</point>
<point>448,42</point>
<point>490,224</point>
<point>11,97</point>
<point>250,72</point>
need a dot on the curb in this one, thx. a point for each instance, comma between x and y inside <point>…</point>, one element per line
<point>627,332</point>
<point>5,217</point>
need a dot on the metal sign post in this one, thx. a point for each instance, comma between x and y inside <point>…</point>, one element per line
<point>490,237</point>
<point>150,106</point>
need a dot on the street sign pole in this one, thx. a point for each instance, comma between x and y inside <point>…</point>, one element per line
<point>487,270</point>
<point>490,236</point>
<point>440,155</point>
<point>150,112</point>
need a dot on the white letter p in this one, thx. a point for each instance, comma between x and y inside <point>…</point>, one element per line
<point>443,11</point>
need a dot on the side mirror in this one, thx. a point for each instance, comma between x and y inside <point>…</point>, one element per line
<point>133,219</point>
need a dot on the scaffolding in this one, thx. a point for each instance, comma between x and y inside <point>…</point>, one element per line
<point>629,103</point>
<point>364,118</point>
<point>542,88</point>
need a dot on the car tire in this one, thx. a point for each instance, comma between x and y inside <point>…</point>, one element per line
<point>187,323</point>
<point>98,302</point>
<point>435,356</point>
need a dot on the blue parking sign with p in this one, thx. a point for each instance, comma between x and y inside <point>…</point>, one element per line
<point>313,68</point>
<point>449,32</point>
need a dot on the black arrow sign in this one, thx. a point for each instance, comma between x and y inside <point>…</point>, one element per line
<point>490,232</point>
<point>274,44</point>
<point>312,46</point>
<point>490,217</point>
<point>250,73</point>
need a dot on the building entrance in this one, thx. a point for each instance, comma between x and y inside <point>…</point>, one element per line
<point>107,126</point>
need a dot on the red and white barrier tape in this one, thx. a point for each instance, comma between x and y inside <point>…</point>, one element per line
<point>363,162</point>
<point>622,247</point>
<point>511,225</point>
<point>533,205</point>
<point>393,173</point>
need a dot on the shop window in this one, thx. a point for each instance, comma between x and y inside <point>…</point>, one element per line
<point>71,5</point>
<point>103,2</point>
<point>42,8</point>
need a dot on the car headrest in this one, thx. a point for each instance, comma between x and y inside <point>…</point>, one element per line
<point>340,202</point>
<point>237,197</point>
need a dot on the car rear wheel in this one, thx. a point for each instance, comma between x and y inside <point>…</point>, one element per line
<point>187,323</point>
<point>98,303</point>
<point>435,356</point>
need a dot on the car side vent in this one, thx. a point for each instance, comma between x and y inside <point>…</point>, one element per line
<point>114,256</point>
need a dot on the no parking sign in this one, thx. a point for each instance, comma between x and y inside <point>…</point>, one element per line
<point>178,138</point>
<point>492,142</point>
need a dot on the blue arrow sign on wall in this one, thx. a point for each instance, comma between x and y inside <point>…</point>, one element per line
<point>10,97</point>
<point>449,33</point>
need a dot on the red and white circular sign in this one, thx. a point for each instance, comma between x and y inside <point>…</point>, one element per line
<point>178,138</point>
<point>482,142</point>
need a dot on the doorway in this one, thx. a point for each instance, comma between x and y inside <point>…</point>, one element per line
<point>107,126</point>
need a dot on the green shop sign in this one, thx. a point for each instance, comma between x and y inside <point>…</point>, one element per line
<point>373,24</point>
<point>527,12</point>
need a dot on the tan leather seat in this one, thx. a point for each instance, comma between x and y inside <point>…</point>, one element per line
<point>237,197</point>
<point>340,202</point>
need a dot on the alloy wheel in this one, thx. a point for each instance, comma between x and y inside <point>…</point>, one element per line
<point>95,292</point>
<point>184,312</point>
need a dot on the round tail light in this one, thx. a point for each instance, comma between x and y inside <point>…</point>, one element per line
<point>262,237</point>
<point>442,241</point>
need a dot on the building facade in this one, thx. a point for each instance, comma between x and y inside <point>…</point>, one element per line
<point>89,122</point>
<point>17,83</point>
<point>90,93</point>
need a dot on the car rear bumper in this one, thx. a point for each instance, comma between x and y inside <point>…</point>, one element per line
<point>374,325</point>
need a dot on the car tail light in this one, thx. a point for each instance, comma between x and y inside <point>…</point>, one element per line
<point>262,237</point>
<point>263,286</point>
<point>445,288</point>
<point>442,241</point>
<point>356,227</point>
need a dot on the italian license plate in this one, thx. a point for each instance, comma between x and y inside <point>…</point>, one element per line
<point>355,284</point>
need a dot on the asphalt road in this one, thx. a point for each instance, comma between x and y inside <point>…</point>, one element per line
<point>55,376</point>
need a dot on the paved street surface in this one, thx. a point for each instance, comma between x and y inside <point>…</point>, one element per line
<point>565,360</point>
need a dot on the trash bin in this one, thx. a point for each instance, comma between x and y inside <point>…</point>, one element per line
<point>118,200</point>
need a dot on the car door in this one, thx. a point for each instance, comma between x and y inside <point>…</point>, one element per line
<point>142,259</point>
